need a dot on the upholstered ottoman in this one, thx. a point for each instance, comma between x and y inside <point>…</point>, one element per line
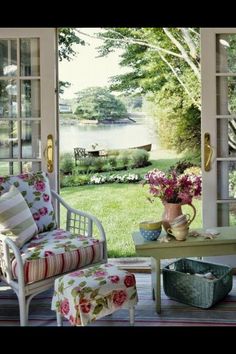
<point>86,295</point>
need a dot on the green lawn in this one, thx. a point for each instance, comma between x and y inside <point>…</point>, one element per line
<point>120,207</point>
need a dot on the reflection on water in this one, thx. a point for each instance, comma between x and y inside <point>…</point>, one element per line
<point>114,136</point>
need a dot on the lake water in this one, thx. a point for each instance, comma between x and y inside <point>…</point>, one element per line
<point>112,136</point>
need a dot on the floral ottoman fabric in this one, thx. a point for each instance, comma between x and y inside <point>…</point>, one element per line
<point>55,252</point>
<point>89,294</point>
<point>35,189</point>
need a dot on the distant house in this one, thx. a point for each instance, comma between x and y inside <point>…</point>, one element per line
<point>65,108</point>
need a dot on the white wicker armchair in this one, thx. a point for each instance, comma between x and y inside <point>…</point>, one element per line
<point>69,252</point>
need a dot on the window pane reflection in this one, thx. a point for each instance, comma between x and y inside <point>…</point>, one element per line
<point>226,213</point>
<point>31,139</point>
<point>225,53</point>
<point>30,98</point>
<point>8,63</point>
<point>29,57</point>
<point>30,166</point>
<point>9,168</point>
<point>8,96</point>
<point>8,140</point>
<point>226,137</point>
<point>226,180</point>
<point>226,95</point>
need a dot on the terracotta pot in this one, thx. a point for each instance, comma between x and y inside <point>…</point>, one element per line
<point>171,211</point>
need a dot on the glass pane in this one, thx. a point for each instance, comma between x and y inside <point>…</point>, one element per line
<point>226,179</point>
<point>30,166</point>
<point>8,63</point>
<point>29,57</point>
<point>31,139</point>
<point>8,95</point>
<point>226,214</point>
<point>226,137</point>
<point>225,53</point>
<point>9,168</point>
<point>226,95</point>
<point>8,140</point>
<point>30,98</point>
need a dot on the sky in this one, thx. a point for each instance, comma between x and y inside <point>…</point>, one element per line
<point>85,70</point>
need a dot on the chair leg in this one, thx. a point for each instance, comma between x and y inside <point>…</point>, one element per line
<point>23,310</point>
<point>131,316</point>
<point>59,320</point>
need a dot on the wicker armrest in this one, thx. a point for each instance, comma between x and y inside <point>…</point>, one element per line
<point>8,247</point>
<point>80,222</point>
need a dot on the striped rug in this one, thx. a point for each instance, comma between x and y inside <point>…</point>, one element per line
<point>173,313</point>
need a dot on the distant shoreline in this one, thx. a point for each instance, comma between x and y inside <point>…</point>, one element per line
<point>72,121</point>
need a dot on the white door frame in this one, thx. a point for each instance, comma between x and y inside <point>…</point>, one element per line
<point>209,118</point>
<point>48,89</point>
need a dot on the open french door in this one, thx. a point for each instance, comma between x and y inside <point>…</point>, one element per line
<point>28,101</point>
<point>218,70</point>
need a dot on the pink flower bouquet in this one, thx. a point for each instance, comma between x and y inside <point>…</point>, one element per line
<point>173,188</point>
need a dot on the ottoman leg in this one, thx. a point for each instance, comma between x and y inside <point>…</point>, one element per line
<point>131,316</point>
<point>59,320</point>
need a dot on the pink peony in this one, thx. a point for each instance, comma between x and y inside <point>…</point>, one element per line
<point>36,216</point>
<point>43,211</point>
<point>45,197</point>
<point>39,186</point>
<point>119,297</point>
<point>64,307</point>
<point>129,280</point>
<point>114,278</point>
<point>85,305</point>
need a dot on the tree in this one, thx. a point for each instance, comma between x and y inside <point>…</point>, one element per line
<point>98,103</point>
<point>67,37</point>
<point>165,66</point>
<point>63,85</point>
<point>178,49</point>
<point>132,103</point>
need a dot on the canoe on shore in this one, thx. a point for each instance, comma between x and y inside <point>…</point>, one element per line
<point>146,147</point>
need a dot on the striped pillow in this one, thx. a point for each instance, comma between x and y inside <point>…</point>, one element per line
<point>16,220</point>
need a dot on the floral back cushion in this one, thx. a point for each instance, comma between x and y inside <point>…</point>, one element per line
<point>35,189</point>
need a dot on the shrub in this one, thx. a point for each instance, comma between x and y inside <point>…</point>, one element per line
<point>124,157</point>
<point>74,181</point>
<point>113,152</point>
<point>180,166</point>
<point>86,163</point>
<point>112,160</point>
<point>140,158</point>
<point>194,156</point>
<point>98,164</point>
<point>66,163</point>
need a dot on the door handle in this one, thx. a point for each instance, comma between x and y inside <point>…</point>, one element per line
<point>49,153</point>
<point>208,152</point>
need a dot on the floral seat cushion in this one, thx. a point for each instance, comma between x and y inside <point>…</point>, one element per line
<point>89,294</point>
<point>56,252</point>
<point>35,189</point>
